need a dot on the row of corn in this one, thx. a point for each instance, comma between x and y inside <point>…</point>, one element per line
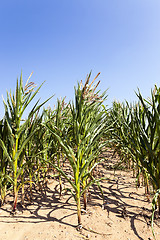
<point>136,137</point>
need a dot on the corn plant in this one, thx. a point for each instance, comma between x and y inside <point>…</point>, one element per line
<point>60,116</point>
<point>18,130</point>
<point>83,142</point>
<point>150,138</point>
<point>5,179</point>
<point>120,116</point>
<point>34,149</point>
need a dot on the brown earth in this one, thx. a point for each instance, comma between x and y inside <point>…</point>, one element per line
<point>125,214</point>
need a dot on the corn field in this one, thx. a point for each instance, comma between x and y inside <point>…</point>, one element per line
<point>75,134</point>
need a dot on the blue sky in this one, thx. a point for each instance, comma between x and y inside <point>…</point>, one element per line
<point>63,40</point>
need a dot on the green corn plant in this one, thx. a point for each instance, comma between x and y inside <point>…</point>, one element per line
<point>90,105</point>
<point>126,134</point>
<point>34,150</point>
<point>5,179</point>
<point>44,142</point>
<point>120,116</point>
<point>150,138</point>
<point>83,142</point>
<point>60,117</point>
<point>139,121</point>
<point>18,129</point>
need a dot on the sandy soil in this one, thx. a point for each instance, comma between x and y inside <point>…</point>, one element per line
<point>125,214</point>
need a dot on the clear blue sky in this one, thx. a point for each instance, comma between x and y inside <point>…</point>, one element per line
<point>62,40</point>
